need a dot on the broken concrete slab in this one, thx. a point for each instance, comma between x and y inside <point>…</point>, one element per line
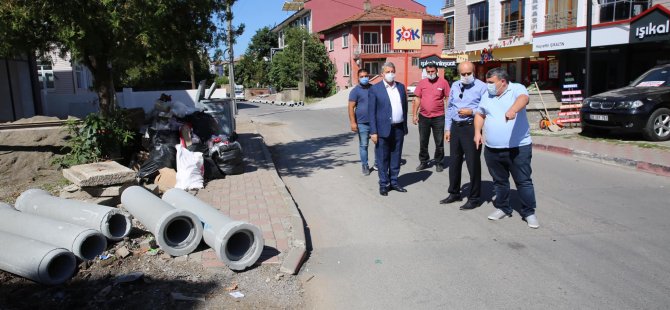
<point>122,252</point>
<point>97,174</point>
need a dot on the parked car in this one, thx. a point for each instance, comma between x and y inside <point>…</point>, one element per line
<point>643,106</point>
<point>411,88</point>
<point>239,92</point>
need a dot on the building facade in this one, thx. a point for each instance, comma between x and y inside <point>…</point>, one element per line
<point>541,40</point>
<point>62,75</point>
<point>18,86</point>
<point>364,41</point>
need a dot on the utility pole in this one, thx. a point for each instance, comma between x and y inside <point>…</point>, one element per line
<point>302,91</point>
<point>231,56</point>
<point>589,27</point>
<point>190,66</point>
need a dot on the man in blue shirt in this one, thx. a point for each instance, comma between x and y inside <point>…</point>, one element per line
<point>508,149</point>
<point>358,117</point>
<point>464,100</point>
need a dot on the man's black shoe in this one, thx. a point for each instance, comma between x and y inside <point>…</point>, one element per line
<point>421,166</point>
<point>384,191</point>
<point>451,198</point>
<point>398,188</point>
<point>471,205</point>
<point>438,167</point>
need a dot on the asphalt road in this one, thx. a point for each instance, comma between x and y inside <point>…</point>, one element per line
<point>602,244</point>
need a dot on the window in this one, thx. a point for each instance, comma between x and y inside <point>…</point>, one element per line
<point>613,10</point>
<point>428,38</point>
<point>512,17</point>
<point>449,32</point>
<point>561,14</point>
<point>82,77</point>
<point>45,74</point>
<point>415,61</point>
<point>479,22</point>
<point>373,67</point>
<point>347,69</point>
<point>331,44</point>
<point>370,38</point>
<point>345,40</point>
<point>280,38</point>
<point>448,3</point>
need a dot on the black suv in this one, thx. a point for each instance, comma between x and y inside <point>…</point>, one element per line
<point>643,106</point>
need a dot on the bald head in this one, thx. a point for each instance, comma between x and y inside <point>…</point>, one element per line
<point>466,66</point>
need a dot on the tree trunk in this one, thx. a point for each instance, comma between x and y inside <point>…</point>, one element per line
<point>103,83</point>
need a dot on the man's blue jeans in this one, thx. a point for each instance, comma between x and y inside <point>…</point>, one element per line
<point>363,141</point>
<point>514,161</point>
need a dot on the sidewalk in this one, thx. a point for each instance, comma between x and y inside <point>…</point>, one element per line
<point>651,157</point>
<point>258,196</point>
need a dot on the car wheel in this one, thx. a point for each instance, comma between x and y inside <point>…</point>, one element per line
<point>658,125</point>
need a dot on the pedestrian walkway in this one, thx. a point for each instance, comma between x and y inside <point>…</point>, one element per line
<point>258,196</point>
<point>648,157</point>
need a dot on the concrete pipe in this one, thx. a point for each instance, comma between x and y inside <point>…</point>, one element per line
<point>35,260</point>
<point>111,222</point>
<point>85,243</point>
<point>177,232</point>
<point>238,244</point>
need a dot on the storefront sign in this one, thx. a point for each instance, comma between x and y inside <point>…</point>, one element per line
<point>602,36</point>
<point>652,26</point>
<point>440,62</point>
<point>407,33</point>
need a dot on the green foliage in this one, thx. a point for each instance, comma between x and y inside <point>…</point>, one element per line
<point>221,80</point>
<point>114,38</point>
<point>252,70</point>
<point>286,65</point>
<point>96,138</point>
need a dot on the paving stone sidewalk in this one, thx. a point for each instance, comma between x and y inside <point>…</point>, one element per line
<point>258,196</point>
<point>648,159</point>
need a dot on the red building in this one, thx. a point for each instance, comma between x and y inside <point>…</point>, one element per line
<point>364,41</point>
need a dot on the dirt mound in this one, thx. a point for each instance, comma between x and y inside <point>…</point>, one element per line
<point>37,119</point>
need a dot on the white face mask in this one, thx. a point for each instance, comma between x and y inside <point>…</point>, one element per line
<point>432,76</point>
<point>468,79</point>
<point>493,90</point>
<point>389,77</point>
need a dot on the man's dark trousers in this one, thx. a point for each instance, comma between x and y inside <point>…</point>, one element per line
<point>388,151</point>
<point>462,143</point>
<point>426,124</point>
<point>514,161</point>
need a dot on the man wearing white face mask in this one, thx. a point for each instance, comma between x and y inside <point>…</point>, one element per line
<point>463,102</point>
<point>428,113</point>
<point>508,150</point>
<point>387,109</point>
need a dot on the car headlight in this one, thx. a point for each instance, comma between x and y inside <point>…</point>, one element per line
<point>628,104</point>
<point>586,102</point>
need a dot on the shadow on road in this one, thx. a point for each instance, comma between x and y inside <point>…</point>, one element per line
<point>408,179</point>
<point>303,158</point>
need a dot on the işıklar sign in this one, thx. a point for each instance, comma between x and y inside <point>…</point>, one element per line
<point>440,62</point>
<point>407,33</point>
<point>654,25</point>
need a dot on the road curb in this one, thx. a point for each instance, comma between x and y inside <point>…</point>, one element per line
<point>298,247</point>
<point>643,166</point>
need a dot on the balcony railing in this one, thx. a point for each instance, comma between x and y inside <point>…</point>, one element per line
<point>384,48</point>
<point>478,34</point>
<point>560,20</point>
<point>511,28</point>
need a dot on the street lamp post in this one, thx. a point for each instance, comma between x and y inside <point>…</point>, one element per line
<point>589,26</point>
<point>302,92</point>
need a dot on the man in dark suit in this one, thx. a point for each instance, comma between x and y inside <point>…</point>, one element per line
<point>387,107</point>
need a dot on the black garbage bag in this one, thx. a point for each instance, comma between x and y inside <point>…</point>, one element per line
<point>163,154</point>
<point>204,125</point>
<point>212,170</point>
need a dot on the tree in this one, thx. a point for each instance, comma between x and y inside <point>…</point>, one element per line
<point>252,71</point>
<point>287,65</point>
<point>109,36</point>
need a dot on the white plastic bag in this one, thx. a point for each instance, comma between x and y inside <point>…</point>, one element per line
<point>190,169</point>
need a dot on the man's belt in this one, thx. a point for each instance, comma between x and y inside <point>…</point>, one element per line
<point>463,123</point>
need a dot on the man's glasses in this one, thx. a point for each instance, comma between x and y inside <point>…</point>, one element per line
<point>460,96</point>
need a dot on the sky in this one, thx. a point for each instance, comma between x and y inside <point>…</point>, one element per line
<point>256,14</point>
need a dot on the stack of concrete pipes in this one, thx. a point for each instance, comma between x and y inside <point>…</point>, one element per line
<point>177,224</point>
<point>289,103</point>
<point>44,236</point>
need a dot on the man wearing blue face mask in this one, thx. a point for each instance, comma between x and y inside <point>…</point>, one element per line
<point>508,149</point>
<point>388,127</point>
<point>358,117</point>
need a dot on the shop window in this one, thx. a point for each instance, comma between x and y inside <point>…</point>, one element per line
<point>45,74</point>
<point>345,40</point>
<point>479,22</point>
<point>449,32</point>
<point>561,14</point>
<point>512,17</point>
<point>613,10</point>
<point>428,38</point>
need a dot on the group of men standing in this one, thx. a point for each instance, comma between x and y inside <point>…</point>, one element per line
<point>498,108</point>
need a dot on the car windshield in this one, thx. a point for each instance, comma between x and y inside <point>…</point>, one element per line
<point>654,78</point>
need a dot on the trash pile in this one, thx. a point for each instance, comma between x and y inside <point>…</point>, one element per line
<point>45,236</point>
<point>184,146</point>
